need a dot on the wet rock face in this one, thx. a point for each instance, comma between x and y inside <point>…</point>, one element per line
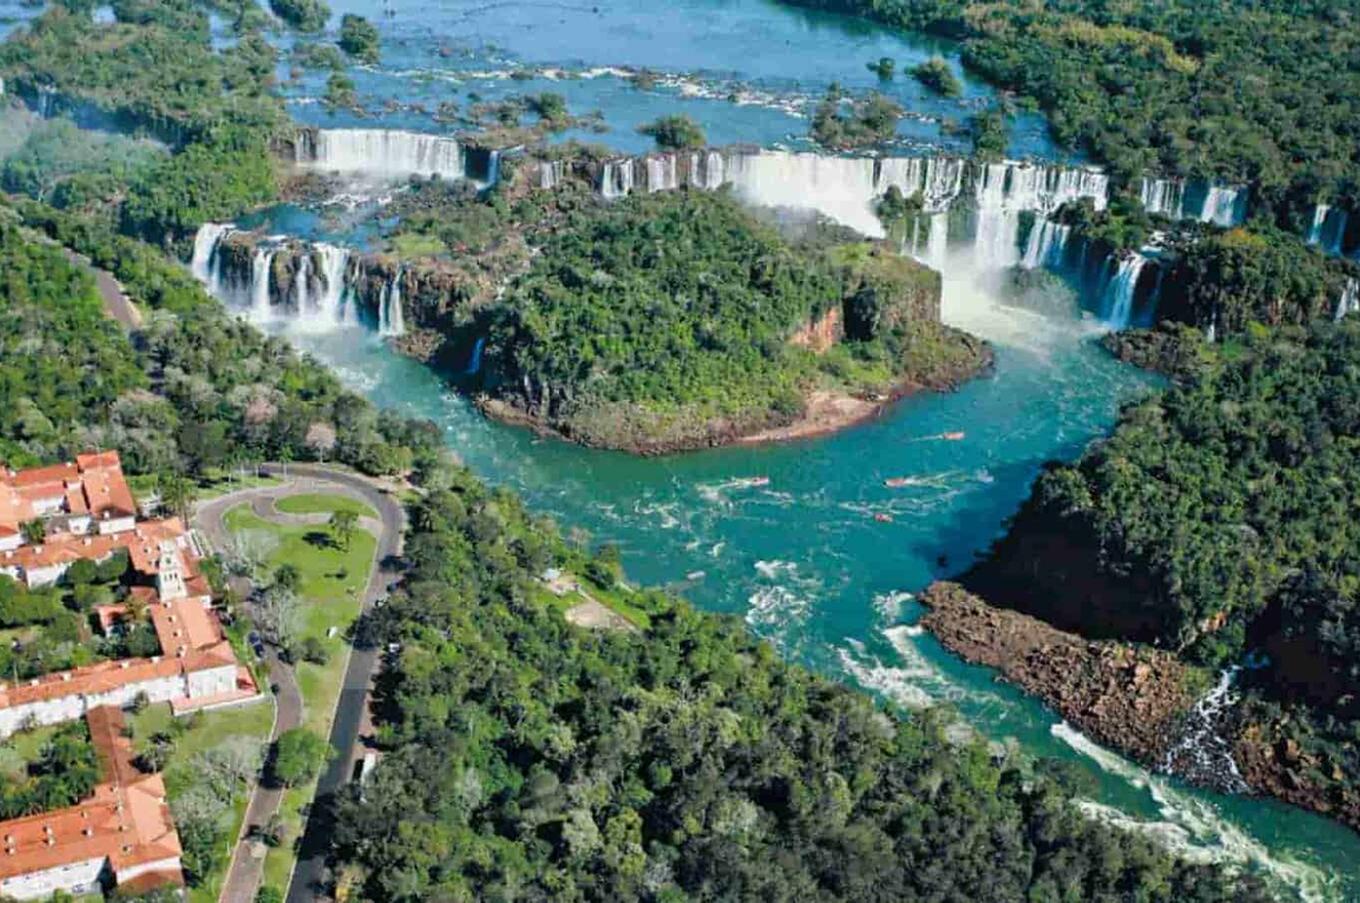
<point>1129,697</point>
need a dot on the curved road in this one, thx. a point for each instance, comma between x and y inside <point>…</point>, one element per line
<point>244,877</point>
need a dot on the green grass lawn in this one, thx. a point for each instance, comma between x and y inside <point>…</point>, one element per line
<point>331,601</point>
<point>28,744</point>
<point>316,503</point>
<point>208,729</point>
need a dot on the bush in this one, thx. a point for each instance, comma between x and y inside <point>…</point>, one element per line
<point>304,15</point>
<point>359,38</point>
<point>675,132</point>
<point>936,75</point>
<point>313,650</point>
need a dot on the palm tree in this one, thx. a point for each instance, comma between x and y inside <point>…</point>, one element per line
<point>178,494</point>
<point>33,531</point>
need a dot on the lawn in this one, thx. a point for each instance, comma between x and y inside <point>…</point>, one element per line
<point>331,586</point>
<point>207,730</point>
<point>28,744</point>
<point>316,503</point>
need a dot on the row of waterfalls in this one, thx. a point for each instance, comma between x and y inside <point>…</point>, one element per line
<point>317,284</point>
<point>1000,212</point>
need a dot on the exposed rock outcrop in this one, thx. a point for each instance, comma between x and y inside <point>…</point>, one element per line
<point>1129,697</point>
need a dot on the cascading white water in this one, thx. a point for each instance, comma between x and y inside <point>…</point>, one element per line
<point>1165,197</point>
<point>1046,245</point>
<point>1349,302</point>
<point>203,263</point>
<point>388,152</point>
<point>334,268</point>
<point>1201,752</point>
<point>616,179</point>
<point>840,187</point>
<point>998,224</point>
<point>261,269</point>
<point>551,173</point>
<point>1121,290</point>
<point>662,173</point>
<point>1223,206</point>
<point>1329,229</point>
<point>301,286</point>
<point>391,320</point>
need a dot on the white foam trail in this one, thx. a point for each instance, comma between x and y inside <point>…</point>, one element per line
<point>1219,838</point>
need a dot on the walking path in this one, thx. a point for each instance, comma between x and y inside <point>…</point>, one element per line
<point>116,302</point>
<point>244,876</point>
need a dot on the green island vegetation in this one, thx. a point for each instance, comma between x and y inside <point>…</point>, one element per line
<point>677,319</point>
<point>936,75</point>
<point>990,133</point>
<point>843,123</point>
<point>678,132</point>
<point>883,67</point>
<point>304,15</point>
<point>1218,521</point>
<point>359,38</point>
<point>525,756</point>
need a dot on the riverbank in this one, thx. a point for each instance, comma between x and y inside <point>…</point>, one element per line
<point>1129,697</point>
<point>825,411</point>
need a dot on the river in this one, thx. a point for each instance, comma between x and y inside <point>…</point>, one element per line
<point>803,558</point>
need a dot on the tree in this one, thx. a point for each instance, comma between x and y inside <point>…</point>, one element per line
<point>304,15</point>
<point>279,616</point>
<point>33,531</point>
<point>287,577</point>
<point>359,38</point>
<point>884,68</point>
<point>320,439</point>
<point>299,755</point>
<point>178,493</point>
<point>343,523</point>
<point>936,75</point>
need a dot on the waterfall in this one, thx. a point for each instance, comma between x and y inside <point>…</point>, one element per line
<point>261,269</point>
<point>1046,245</point>
<point>551,173</point>
<point>388,152</point>
<point>998,224</point>
<point>203,263</point>
<point>1165,197</point>
<point>842,188</point>
<point>475,360</point>
<point>334,266</point>
<point>616,179</point>
<point>493,168</point>
<point>1121,290</point>
<point>391,320</point>
<point>1349,302</point>
<point>1223,206</point>
<point>1329,229</point>
<point>301,290</point>
<point>1200,752</point>
<point>663,174</point>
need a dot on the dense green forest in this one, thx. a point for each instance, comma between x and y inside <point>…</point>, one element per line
<point>147,73</point>
<point>530,760</point>
<point>1260,93</point>
<point>1219,520</point>
<point>649,320</point>
<point>199,390</point>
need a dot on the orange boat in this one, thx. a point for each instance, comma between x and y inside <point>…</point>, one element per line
<point>952,437</point>
<point>899,482</point>
<point>883,518</point>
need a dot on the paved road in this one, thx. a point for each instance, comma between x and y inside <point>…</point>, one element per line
<point>116,302</point>
<point>244,876</point>
<point>354,694</point>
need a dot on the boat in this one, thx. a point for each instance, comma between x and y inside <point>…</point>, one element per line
<point>952,437</point>
<point>883,518</point>
<point>899,482</point>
